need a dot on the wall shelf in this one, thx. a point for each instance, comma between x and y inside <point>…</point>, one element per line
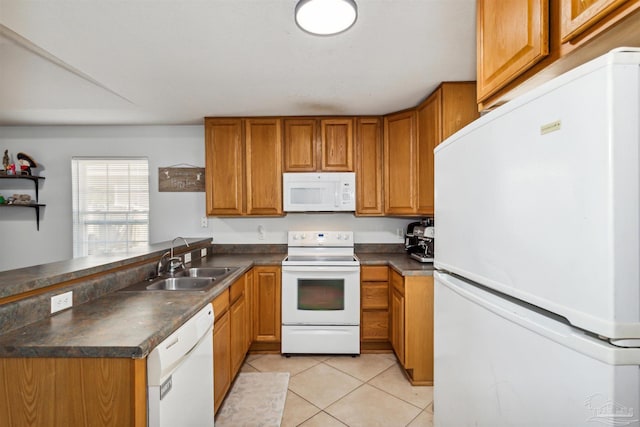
<point>36,206</point>
<point>36,180</point>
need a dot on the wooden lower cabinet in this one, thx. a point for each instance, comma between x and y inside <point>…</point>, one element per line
<point>412,325</point>
<point>374,305</point>
<point>231,334</point>
<point>239,318</point>
<point>267,320</point>
<point>221,349</point>
<point>397,320</point>
<point>73,392</point>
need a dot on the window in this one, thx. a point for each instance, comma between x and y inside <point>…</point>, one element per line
<point>110,204</point>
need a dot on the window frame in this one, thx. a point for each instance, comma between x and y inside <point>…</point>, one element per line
<point>117,222</point>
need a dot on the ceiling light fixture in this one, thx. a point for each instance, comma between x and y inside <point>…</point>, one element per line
<point>326,17</point>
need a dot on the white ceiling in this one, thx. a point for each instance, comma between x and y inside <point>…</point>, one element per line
<point>177,61</point>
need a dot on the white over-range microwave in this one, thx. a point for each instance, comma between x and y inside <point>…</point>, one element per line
<point>319,191</point>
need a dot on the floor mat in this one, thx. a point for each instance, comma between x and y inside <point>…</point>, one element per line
<point>255,399</point>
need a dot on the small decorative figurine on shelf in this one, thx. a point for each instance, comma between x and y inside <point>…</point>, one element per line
<point>26,163</point>
<point>21,199</point>
<point>5,160</point>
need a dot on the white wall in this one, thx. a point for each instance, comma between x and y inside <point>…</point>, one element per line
<point>172,214</point>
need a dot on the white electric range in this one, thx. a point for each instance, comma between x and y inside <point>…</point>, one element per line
<point>321,294</point>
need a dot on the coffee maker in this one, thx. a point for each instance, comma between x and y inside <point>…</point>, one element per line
<point>419,240</point>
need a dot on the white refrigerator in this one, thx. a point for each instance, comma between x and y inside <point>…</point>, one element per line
<point>537,288</point>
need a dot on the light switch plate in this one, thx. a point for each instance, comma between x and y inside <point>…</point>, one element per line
<point>187,257</point>
<point>203,252</point>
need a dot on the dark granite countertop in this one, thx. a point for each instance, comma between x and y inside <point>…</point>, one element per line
<point>130,323</point>
<point>125,323</point>
<point>400,262</point>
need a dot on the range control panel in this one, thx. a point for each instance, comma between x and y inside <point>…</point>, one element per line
<point>320,238</point>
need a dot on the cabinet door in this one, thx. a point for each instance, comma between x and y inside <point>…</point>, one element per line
<point>418,334</point>
<point>429,115</point>
<point>397,324</point>
<point>300,145</point>
<point>73,391</point>
<point>579,15</point>
<point>267,299</point>
<point>238,330</point>
<point>368,146</point>
<point>400,163</point>
<point>248,294</point>
<point>512,36</point>
<point>263,152</point>
<point>221,359</point>
<point>336,136</point>
<point>459,107</point>
<point>224,166</point>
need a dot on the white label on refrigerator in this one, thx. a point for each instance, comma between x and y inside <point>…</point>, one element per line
<point>550,127</point>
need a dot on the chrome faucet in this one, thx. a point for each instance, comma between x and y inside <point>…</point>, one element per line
<point>160,264</point>
<point>173,241</point>
<point>174,262</point>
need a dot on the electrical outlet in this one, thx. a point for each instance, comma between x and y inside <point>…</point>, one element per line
<point>187,257</point>
<point>62,301</point>
<point>204,222</point>
<point>203,252</point>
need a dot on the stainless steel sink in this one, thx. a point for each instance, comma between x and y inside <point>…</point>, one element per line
<point>192,279</point>
<point>181,284</point>
<point>210,272</point>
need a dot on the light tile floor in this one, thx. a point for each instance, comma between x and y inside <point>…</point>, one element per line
<point>368,390</point>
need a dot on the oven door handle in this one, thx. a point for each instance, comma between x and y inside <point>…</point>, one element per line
<point>314,268</point>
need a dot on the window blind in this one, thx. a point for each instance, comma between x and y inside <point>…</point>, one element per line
<point>110,204</point>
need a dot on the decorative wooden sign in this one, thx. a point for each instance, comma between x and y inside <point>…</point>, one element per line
<point>173,179</point>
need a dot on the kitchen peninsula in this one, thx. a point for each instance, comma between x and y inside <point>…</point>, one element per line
<point>90,359</point>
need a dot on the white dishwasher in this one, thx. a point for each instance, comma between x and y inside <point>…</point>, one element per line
<point>180,375</point>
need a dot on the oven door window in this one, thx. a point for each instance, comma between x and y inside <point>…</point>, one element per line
<point>320,294</point>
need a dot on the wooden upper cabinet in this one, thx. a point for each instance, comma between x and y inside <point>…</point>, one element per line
<point>300,145</point>
<point>429,117</point>
<point>336,145</point>
<point>525,43</point>
<point>368,148</point>
<point>512,37</point>
<point>400,161</point>
<point>579,15</point>
<point>263,154</point>
<point>224,166</point>
<point>243,167</point>
<point>313,144</point>
<point>448,109</point>
<point>458,107</point>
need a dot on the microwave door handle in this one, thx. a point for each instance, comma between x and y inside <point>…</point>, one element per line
<point>336,195</point>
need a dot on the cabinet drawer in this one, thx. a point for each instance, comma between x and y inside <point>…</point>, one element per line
<point>374,274</point>
<point>221,304</point>
<point>375,325</point>
<point>375,295</point>
<point>236,290</point>
<point>397,282</point>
